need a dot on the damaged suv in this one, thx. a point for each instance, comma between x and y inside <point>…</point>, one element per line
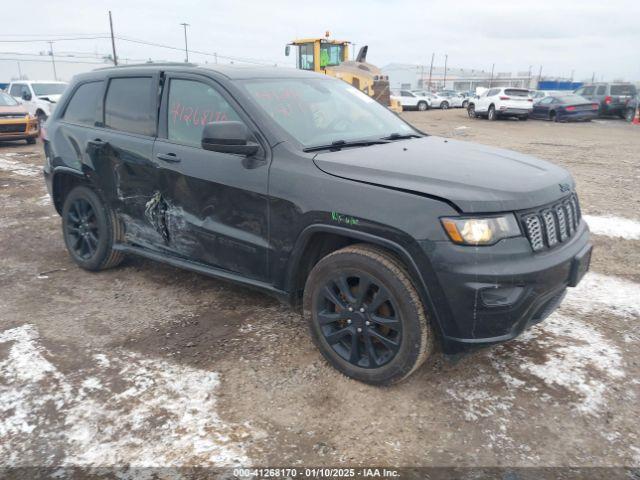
<point>392,241</point>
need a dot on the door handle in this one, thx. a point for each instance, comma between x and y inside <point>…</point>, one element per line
<point>98,143</point>
<point>168,157</point>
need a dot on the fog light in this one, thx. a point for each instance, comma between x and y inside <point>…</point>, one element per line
<point>501,296</point>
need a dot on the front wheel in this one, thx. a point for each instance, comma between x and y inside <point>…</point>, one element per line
<point>90,230</point>
<point>444,105</point>
<point>42,118</point>
<point>491,115</point>
<point>465,104</point>
<point>471,111</point>
<point>422,106</point>
<point>365,315</point>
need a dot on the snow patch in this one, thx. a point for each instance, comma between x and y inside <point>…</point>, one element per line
<point>118,408</point>
<point>19,168</point>
<point>611,226</point>
<point>597,292</point>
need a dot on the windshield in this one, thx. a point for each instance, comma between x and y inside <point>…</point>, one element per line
<point>41,89</point>
<point>7,100</point>
<point>317,111</point>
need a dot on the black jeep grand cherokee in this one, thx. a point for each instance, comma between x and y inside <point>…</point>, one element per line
<point>299,184</point>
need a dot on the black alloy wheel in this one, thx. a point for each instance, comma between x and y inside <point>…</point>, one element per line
<point>359,319</point>
<point>91,229</point>
<point>366,316</point>
<point>82,229</point>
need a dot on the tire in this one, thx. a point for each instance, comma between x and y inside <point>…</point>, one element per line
<point>42,117</point>
<point>444,105</point>
<point>553,116</point>
<point>379,345</point>
<point>491,114</point>
<point>471,111</point>
<point>630,113</point>
<point>465,104</point>
<point>524,118</point>
<point>422,106</point>
<point>31,141</point>
<point>90,229</point>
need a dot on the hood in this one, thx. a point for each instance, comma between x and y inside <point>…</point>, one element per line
<point>11,110</point>
<point>50,98</point>
<point>476,178</point>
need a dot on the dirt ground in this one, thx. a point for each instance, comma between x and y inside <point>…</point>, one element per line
<point>149,365</point>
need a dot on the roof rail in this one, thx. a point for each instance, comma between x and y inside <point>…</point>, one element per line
<point>150,64</point>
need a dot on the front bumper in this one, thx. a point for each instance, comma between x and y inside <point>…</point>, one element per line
<point>494,293</point>
<point>18,128</point>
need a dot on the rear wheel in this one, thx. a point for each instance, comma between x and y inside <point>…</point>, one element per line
<point>366,316</point>
<point>630,114</point>
<point>422,106</point>
<point>491,114</point>
<point>444,105</point>
<point>523,117</point>
<point>465,104</point>
<point>553,116</point>
<point>90,230</point>
<point>471,111</point>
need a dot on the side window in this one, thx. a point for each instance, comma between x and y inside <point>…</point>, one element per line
<point>588,90</point>
<point>129,105</point>
<point>16,90</point>
<point>83,105</point>
<point>601,90</point>
<point>492,92</point>
<point>545,101</point>
<point>191,105</point>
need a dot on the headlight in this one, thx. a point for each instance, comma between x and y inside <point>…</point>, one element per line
<point>481,231</point>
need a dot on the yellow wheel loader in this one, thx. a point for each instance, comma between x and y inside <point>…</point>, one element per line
<point>331,57</point>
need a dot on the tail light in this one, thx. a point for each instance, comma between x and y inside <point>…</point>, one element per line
<point>594,106</point>
<point>505,98</point>
<point>607,99</point>
<point>570,109</point>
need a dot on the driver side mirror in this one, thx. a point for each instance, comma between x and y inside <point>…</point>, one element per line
<point>26,96</point>
<point>287,50</point>
<point>228,137</point>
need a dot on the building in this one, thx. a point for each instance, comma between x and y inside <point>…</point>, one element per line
<point>408,76</point>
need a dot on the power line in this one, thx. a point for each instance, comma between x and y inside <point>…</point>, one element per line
<point>48,61</point>
<point>45,40</point>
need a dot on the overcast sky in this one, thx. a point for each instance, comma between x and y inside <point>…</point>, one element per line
<point>584,36</point>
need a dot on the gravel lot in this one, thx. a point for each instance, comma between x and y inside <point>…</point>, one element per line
<point>148,365</point>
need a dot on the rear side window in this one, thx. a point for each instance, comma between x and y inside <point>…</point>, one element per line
<point>129,105</point>
<point>512,92</point>
<point>493,92</point>
<point>588,91</point>
<point>83,105</point>
<point>623,90</point>
<point>192,105</point>
<point>601,90</point>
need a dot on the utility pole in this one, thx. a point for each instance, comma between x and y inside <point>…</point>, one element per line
<point>19,72</point>
<point>444,82</point>
<point>53,61</point>
<point>493,66</point>
<point>113,42</point>
<point>593,77</point>
<point>431,69</point>
<point>353,51</point>
<point>186,50</point>
<point>215,57</point>
<point>422,76</point>
<point>529,77</point>
<point>539,76</point>
<point>572,73</point>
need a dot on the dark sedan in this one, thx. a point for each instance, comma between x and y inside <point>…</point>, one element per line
<point>562,108</point>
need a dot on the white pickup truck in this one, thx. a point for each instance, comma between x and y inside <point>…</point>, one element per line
<point>39,97</point>
<point>501,102</point>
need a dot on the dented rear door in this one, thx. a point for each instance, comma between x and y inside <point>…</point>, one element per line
<point>212,206</point>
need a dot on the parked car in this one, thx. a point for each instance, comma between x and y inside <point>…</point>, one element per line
<point>501,102</point>
<point>15,121</point>
<point>412,101</point>
<point>612,97</point>
<point>466,97</point>
<point>453,99</point>
<point>538,95</point>
<point>562,108</point>
<point>630,108</point>
<point>300,185</point>
<point>39,97</point>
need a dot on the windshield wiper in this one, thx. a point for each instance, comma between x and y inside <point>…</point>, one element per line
<point>339,144</point>
<point>401,136</point>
